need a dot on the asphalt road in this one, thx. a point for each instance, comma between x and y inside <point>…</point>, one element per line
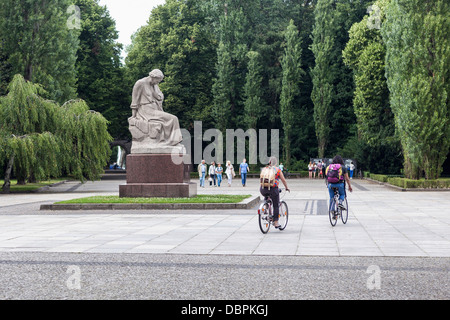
<point>204,277</point>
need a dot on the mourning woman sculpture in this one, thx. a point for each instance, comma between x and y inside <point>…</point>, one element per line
<point>152,129</point>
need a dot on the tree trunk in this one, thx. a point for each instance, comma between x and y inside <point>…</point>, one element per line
<point>321,149</point>
<point>287,149</point>
<point>28,71</point>
<point>7,183</point>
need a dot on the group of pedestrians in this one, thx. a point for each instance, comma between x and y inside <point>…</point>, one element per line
<point>214,173</point>
<point>320,168</point>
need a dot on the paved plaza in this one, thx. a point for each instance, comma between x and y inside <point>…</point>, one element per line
<point>382,222</point>
<point>223,252</point>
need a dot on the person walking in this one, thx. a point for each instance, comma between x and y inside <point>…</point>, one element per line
<point>219,171</point>
<point>319,168</point>
<point>352,168</point>
<point>314,169</point>
<point>230,172</point>
<point>310,169</point>
<point>202,173</point>
<point>212,173</point>
<point>243,170</point>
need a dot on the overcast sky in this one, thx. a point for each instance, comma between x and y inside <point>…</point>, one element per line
<point>129,15</point>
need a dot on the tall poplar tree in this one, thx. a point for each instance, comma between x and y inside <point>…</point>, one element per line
<point>232,37</point>
<point>417,68</point>
<point>222,89</point>
<point>323,73</point>
<point>365,54</point>
<point>253,105</point>
<point>292,73</point>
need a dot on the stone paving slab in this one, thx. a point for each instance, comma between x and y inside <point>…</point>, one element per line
<point>382,222</point>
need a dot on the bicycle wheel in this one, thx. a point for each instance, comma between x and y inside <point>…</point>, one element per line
<point>264,217</point>
<point>283,216</point>
<point>332,212</point>
<point>344,213</point>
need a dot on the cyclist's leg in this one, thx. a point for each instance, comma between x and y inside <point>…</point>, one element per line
<point>341,193</point>
<point>330,190</point>
<point>264,191</point>
<point>275,196</point>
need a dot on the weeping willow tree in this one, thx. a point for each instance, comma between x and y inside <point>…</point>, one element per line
<point>40,139</point>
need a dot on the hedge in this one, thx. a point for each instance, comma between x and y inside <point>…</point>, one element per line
<point>405,183</point>
<point>379,177</point>
<point>422,183</point>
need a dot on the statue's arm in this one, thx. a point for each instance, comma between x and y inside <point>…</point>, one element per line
<point>159,97</point>
<point>135,98</point>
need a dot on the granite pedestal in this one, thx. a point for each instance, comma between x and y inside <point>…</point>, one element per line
<point>156,175</point>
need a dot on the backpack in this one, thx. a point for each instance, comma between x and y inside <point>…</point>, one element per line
<point>334,173</point>
<point>267,177</point>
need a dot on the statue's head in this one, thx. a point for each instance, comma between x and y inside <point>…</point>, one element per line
<point>156,76</point>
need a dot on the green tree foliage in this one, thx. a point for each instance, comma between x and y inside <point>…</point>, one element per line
<point>253,105</point>
<point>101,80</point>
<point>231,64</point>
<point>365,54</point>
<point>259,26</point>
<point>292,74</point>
<point>332,80</point>
<point>5,71</point>
<point>38,44</point>
<point>222,89</point>
<point>232,34</point>
<point>40,139</point>
<point>324,71</point>
<point>417,66</point>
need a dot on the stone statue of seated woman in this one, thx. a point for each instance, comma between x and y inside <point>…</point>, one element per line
<point>152,129</point>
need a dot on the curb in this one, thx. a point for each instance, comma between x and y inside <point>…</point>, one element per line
<point>388,185</point>
<point>248,203</point>
<point>44,189</point>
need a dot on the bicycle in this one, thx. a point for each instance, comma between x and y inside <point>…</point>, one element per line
<point>334,210</point>
<point>265,215</point>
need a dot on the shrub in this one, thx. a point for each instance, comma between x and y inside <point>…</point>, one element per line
<point>396,181</point>
<point>379,177</point>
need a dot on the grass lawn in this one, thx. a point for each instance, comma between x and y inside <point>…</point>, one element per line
<point>30,186</point>
<point>196,199</point>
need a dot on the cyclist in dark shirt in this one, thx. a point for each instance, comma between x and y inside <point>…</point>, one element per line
<point>340,185</point>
